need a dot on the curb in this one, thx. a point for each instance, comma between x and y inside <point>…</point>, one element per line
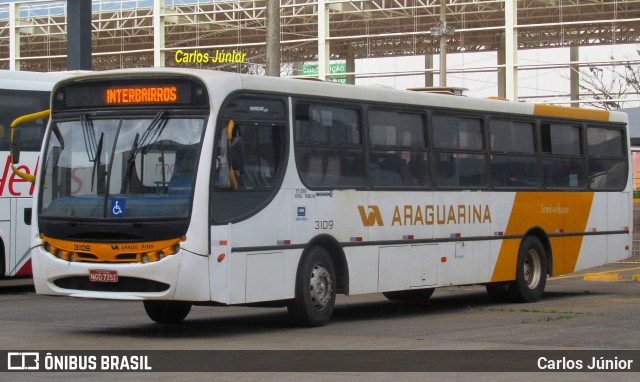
<point>603,276</point>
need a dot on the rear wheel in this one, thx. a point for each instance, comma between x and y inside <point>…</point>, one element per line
<point>414,295</point>
<point>531,275</point>
<point>167,312</point>
<point>315,289</point>
<point>531,272</point>
<point>498,292</point>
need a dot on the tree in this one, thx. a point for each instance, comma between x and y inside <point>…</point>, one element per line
<point>607,85</point>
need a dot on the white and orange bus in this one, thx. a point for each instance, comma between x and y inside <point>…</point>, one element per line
<point>185,187</point>
<point>20,93</point>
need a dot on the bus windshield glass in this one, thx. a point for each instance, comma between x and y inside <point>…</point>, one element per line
<point>138,167</point>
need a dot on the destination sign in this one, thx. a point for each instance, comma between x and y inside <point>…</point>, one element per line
<point>106,93</point>
<point>146,94</point>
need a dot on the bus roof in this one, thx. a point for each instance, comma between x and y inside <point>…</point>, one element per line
<point>235,81</point>
<point>24,80</point>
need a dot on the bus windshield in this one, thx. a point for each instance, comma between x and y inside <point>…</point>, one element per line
<point>138,167</point>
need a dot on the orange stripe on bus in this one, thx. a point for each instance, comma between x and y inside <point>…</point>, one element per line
<point>553,212</point>
<point>570,112</point>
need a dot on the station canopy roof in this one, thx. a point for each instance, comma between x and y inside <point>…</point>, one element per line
<point>123,30</point>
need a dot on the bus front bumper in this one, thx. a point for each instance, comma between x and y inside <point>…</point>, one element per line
<point>129,281</point>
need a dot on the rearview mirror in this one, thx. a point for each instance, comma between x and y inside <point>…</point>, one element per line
<point>15,142</point>
<point>15,147</point>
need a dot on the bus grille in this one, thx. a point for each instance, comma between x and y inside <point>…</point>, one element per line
<point>124,284</point>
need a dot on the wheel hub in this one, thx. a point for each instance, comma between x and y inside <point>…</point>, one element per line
<point>320,287</point>
<point>532,269</point>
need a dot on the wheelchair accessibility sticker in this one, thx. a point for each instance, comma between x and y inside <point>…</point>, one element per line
<point>118,207</point>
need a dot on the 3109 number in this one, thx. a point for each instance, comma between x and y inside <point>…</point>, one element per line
<point>324,224</point>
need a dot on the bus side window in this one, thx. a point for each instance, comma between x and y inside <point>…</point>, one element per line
<point>514,162</point>
<point>263,150</point>
<point>608,167</point>
<point>459,152</point>
<point>329,150</point>
<point>13,104</point>
<point>261,124</point>
<point>398,149</point>
<point>562,162</point>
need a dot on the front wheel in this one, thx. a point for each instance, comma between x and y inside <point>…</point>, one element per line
<point>531,272</point>
<point>315,289</point>
<point>167,312</point>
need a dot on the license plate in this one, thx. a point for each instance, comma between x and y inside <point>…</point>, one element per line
<point>103,276</point>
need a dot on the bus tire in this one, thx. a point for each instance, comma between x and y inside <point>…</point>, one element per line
<point>2,260</point>
<point>315,289</point>
<point>498,293</point>
<point>531,272</point>
<point>414,295</point>
<point>167,312</point>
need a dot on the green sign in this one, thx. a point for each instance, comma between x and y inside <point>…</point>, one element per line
<point>311,69</point>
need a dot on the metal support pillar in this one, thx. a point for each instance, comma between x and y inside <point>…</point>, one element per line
<point>574,74</point>
<point>323,44</point>
<point>273,38</point>
<point>14,38</point>
<point>502,73</point>
<point>428,74</point>
<point>79,35</point>
<point>443,44</point>
<point>158,35</point>
<point>351,65</point>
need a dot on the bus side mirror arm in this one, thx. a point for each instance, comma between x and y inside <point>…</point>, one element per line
<point>15,142</point>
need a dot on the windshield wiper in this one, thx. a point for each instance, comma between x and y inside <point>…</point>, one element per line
<point>93,150</point>
<point>130,162</point>
<point>134,149</point>
<point>89,136</point>
<point>151,133</point>
<point>96,162</point>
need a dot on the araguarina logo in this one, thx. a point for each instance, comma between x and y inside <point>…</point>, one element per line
<point>371,218</point>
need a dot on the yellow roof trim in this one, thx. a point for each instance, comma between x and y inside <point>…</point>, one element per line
<point>570,112</point>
